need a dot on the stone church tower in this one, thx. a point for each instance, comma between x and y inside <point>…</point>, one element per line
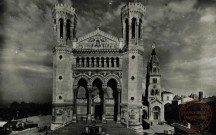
<point>153,89</point>
<point>132,16</point>
<point>98,76</point>
<point>65,29</point>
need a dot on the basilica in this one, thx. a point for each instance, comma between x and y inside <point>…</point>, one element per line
<point>99,76</point>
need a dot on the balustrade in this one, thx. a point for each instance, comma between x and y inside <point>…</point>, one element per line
<point>99,62</point>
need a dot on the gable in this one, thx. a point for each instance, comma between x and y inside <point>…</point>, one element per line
<point>156,101</point>
<point>98,40</point>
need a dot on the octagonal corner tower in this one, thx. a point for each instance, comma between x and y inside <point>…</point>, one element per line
<point>132,17</point>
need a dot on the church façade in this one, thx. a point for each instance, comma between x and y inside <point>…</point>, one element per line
<point>99,76</point>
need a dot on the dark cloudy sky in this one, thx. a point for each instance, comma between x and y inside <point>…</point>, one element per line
<point>184,31</point>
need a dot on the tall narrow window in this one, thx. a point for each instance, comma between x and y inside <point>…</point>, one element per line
<point>127,30</point>
<point>68,25</point>
<point>117,62</point>
<point>82,62</point>
<point>87,62</point>
<point>102,62</point>
<point>112,62</point>
<point>140,26</point>
<point>154,80</point>
<point>61,21</point>
<point>157,92</point>
<point>133,27</point>
<point>93,62</point>
<point>107,62</point>
<point>77,62</point>
<point>97,62</point>
<point>152,92</point>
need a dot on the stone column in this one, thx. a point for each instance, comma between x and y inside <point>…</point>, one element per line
<point>58,29</point>
<point>137,30</point>
<point>119,110</point>
<point>124,29</point>
<point>120,62</point>
<point>100,65</point>
<point>74,119</point>
<point>64,30</point>
<point>89,103</point>
<point>80,62</point>
<point>85,62</point>
<point>104,105</point>
<point>114,62</point>
<point>110,63</point>
<point>105,63</point>
<point>90,62</point>
<point>130,29</point>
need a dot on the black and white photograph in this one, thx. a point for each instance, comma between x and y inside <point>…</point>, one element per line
<point>107,67</point>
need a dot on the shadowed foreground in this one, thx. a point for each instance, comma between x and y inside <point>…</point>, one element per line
<point>110,128</point>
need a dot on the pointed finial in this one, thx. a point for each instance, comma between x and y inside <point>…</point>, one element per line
<point>98,27</point>
<point>153,45</point>
<point>153,49</point>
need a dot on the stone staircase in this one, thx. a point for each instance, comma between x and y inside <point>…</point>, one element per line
<point>110,128</point>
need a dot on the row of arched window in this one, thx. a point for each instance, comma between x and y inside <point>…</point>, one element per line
<point>97,62</point>
<point>134,29</point>
<point>67,29</point>
<point>154,92</point>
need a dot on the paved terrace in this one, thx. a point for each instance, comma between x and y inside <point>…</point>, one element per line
<point>110,128</point>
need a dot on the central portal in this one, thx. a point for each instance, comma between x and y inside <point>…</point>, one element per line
<point>98,94</point>
<point>98,112</point>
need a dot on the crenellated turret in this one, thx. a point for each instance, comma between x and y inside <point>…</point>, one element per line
<point>132,17</point>
<point>65,20</point>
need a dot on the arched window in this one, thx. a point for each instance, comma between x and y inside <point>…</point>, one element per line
<point>152,92</point>
<point>107,62</point>
<point>77,61</point>
<point>112,62</point>
<point>61,21</point>
<point>97,59</point>
<point>127,30</point>
<point>68,25</point>
<point>156,112</point>
<point>157,92</point>
<point>133,27</point>
<point>154,80</point>
<point>82,62</point>
<point>92,60</point>
<point>117,62</point>
<point>140,28</point>
<point>102,62</point>
<point>87,62</point>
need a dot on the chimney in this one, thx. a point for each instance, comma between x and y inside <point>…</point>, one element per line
<point>200,95</point>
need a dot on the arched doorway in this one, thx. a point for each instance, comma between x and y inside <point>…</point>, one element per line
<point>111,96</point>
<point>97,96</point>
<point>156,113</point>
<point>82,99</point>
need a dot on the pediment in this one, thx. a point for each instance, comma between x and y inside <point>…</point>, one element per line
<point>156,100</point>
<point>98,40</point>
